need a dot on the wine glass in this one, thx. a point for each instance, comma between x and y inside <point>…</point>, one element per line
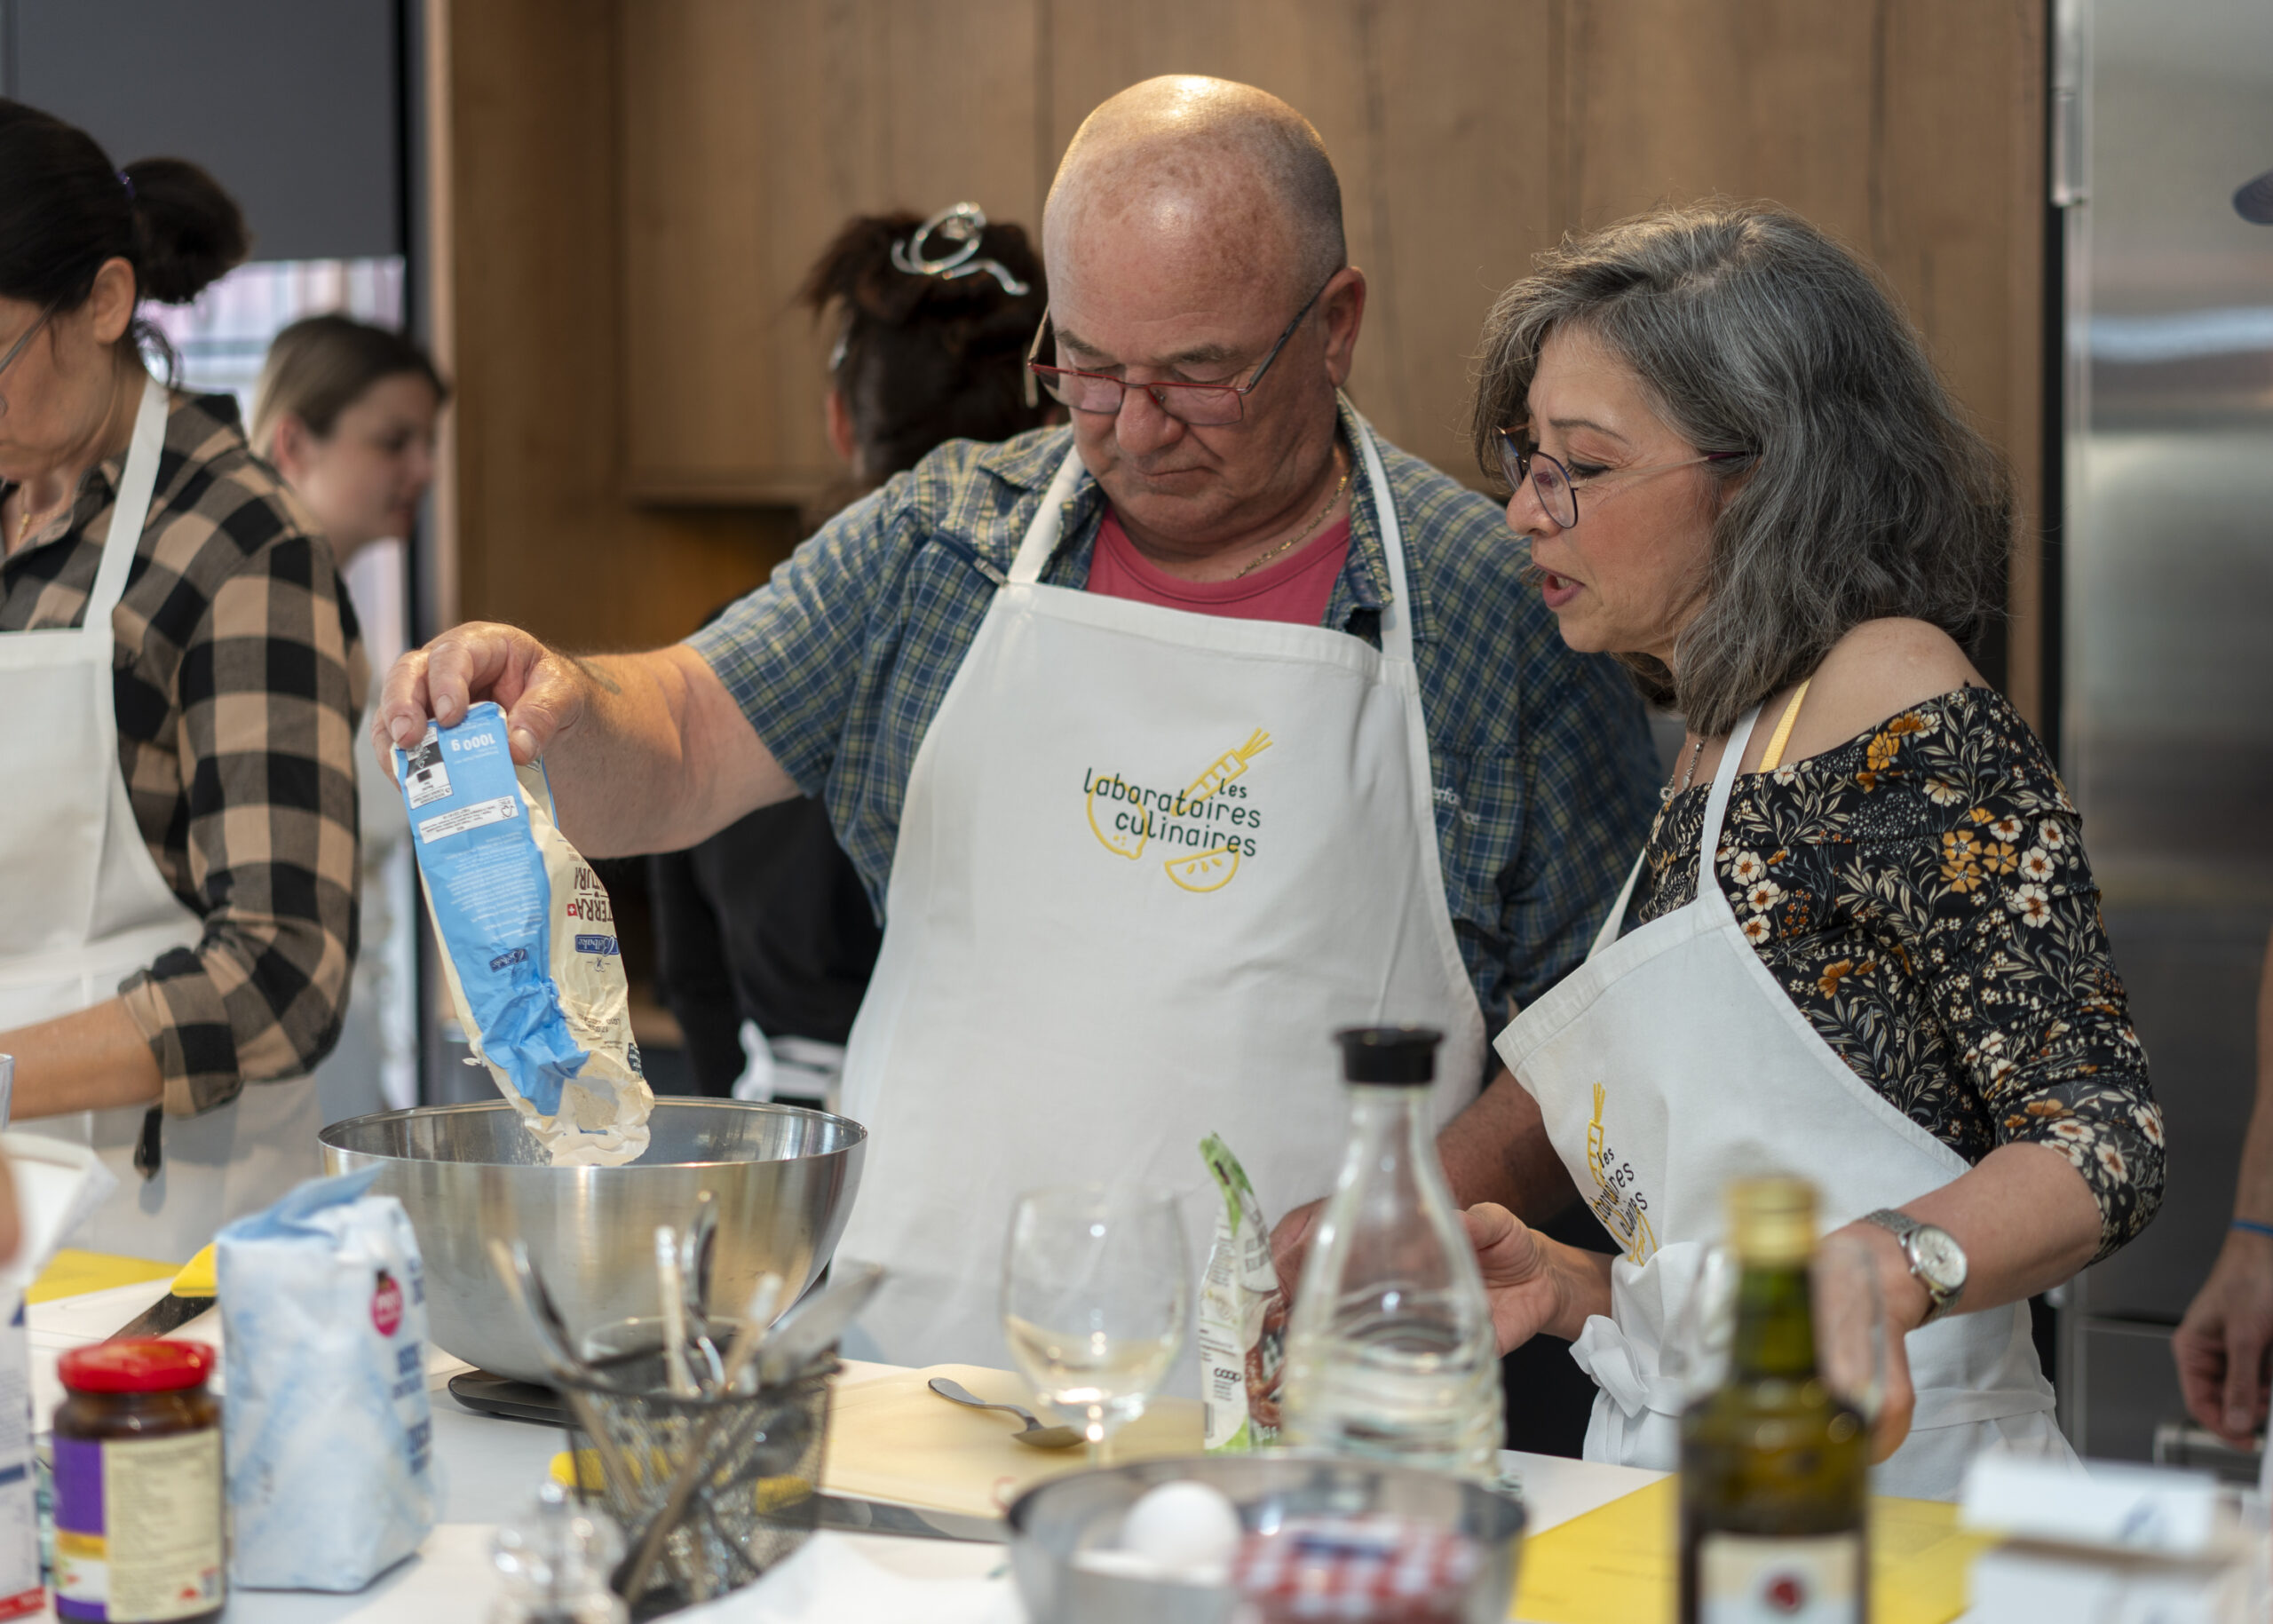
<point>1097,1288</point>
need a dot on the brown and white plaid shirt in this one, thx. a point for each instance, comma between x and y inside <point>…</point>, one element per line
<point>235,731</point>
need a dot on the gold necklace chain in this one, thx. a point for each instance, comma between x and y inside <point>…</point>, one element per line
<point>25,518</point>
<point>1306,532</point>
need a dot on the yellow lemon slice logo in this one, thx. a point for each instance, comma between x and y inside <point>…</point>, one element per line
<point>1122,843</point>
<point>1209,870</point>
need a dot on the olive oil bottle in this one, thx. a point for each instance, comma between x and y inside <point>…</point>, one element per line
<point>1774,1466</point>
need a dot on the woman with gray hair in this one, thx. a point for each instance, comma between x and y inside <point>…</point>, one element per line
<point>1862,942</point>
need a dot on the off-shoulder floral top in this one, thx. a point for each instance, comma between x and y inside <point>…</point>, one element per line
<point>1921,893</point>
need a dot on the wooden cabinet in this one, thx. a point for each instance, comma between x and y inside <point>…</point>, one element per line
<point>751,129</point>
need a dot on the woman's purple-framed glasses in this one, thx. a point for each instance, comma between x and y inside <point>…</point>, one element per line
<point>1207,405</point>
<point>1551,482</point>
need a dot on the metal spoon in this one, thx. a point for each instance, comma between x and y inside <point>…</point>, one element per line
<point>1033,1433</point>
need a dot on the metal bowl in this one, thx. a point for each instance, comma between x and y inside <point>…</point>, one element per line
<point>1051,1523</point>
<point>781,1177</point>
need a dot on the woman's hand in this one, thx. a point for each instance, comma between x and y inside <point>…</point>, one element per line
<point>1903,1303</point>
<point>1534,1284</point>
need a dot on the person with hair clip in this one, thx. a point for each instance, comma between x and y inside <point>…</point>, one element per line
<point>177,841</point>
<point>764,935</point>
<point>346,412</point>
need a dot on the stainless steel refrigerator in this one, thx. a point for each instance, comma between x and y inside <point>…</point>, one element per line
<point>2162,108</point>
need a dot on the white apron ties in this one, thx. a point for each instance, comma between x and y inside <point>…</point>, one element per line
<point>1149,862</point>
<point>85,907</point>
<point>1670,1062</point>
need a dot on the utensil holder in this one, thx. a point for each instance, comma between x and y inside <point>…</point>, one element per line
<point>756,1499</point>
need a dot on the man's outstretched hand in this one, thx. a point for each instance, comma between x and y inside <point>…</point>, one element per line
<point>541,693</point>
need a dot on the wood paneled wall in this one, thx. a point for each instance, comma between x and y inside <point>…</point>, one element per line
<point>641,182</point>
<point>543,532</point>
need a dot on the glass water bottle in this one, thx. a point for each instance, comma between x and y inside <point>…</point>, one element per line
<point>1390,1351</point>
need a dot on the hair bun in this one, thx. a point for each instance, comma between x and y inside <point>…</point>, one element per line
<point>188,232</point>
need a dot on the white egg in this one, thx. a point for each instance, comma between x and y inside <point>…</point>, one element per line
<point>1183,1526</point>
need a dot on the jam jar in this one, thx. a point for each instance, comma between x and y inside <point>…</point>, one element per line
<point>139,1493</point>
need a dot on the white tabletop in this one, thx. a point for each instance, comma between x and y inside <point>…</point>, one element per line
<point>486,1467</point>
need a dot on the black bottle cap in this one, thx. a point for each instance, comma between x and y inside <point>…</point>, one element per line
<point>1396,1055</point>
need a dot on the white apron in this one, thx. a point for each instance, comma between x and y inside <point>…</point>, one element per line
<point>1149,861</point>
<point>1671,1062</point>
<point>83,906</point>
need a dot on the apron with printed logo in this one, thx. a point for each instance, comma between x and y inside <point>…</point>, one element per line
<point>1149,861</point>
<point>1670,1062</point>
<point>84,906</point>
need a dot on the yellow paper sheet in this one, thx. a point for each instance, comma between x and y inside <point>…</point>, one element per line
<point>893,1438</point>
<point>74,1273</point>
<point>1616,1564</point>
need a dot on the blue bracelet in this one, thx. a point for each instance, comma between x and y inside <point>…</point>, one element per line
<point>2252,1226</point>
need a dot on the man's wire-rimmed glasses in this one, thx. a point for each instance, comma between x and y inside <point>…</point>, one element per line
<point>1522,462</point>
<point>17,348</point>
<point>1206,405</point>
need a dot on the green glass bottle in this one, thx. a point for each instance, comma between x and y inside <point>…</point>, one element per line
<point>1774,1466</point>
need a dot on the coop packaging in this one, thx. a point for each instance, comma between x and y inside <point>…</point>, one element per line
<point>528,943</point>
<point>1242,1316</point>
<point>328,1433</point>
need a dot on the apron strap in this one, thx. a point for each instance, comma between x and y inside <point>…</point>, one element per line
<point>1048,523</point>
<point>129,511</point>
<point>1716,808</point>
<point>1397,614</point>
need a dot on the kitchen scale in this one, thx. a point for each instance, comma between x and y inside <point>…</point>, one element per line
<point>512,1400</point>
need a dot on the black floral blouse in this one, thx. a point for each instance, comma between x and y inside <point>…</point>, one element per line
<point>1921,893</point>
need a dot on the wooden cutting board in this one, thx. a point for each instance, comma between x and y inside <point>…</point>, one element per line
<point>890,1437</point>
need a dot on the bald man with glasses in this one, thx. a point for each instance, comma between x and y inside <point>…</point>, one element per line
<point>1165,742</point>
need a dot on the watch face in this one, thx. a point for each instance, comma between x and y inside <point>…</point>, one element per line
<point>1940,1259</point>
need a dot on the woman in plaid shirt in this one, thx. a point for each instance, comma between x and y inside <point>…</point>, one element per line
<point>178,831</point>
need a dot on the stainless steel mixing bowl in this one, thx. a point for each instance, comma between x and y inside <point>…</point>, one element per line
<point>782,1179</point>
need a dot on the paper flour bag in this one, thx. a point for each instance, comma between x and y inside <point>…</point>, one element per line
<point>327,1431</point>
<point>528,943</point>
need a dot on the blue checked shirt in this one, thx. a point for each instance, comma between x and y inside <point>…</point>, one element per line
<point>1545,775</point>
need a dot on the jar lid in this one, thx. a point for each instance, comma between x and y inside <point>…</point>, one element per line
<point>1398,1056</point>
<point>136,1365</point>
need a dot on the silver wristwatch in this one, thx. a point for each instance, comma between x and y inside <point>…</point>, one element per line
<point>1935,1258</point>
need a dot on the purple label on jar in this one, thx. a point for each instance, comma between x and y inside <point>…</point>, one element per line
<point>80,1570</point>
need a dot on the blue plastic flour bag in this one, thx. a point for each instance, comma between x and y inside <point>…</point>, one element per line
<point>327,1429</point>
<point>528,940</point>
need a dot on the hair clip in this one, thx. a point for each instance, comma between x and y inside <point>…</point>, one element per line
<point>126,181</point>
<point>960,224</point>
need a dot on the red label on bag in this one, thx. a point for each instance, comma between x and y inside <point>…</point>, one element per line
<point>386,1304</point>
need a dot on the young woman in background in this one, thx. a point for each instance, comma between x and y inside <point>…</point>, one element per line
<point>346,412</point>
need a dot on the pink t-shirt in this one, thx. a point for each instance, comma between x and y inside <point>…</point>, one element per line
<point>1295,589</point>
